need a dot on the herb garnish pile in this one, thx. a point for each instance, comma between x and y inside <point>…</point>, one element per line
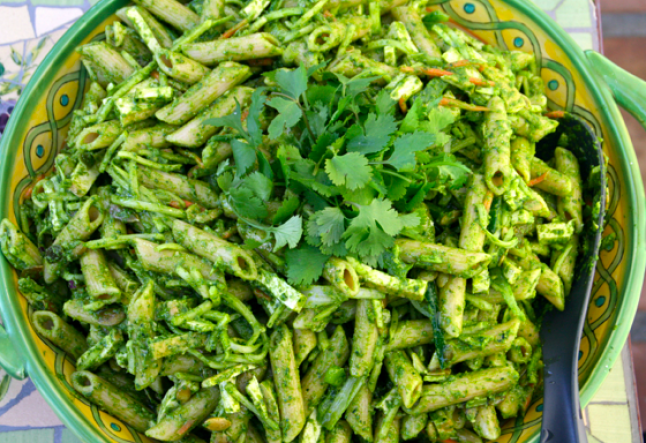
<point>351,168</point>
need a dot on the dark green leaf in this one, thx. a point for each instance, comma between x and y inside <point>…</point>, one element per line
<point>325,140</point>
<point>412,119</point>
<point>246,203</point>
<point>289,115</point>
<point>323,94</point>
<point>263,165</point>
<point>304,264</point>
<point>259,184</point>
<point>397,187</point>
<point>384,103</point>
<point>253,119</point>
<point>245,156</point>
<point>403,156</point>
<point>375,136</point>
<point>317,118</point>
<point>286,210</point>
<point>328,225</point>
<point>445,169</point>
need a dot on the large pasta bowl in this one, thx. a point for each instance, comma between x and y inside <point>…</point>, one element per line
<point>582,83</point>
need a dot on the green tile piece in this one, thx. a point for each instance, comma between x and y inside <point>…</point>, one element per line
<point>583,39</point>
<point>69,437</point>
<point>613,388</point>
<point>610,423</point>
<point>30,436</point>
<point>574,14</point>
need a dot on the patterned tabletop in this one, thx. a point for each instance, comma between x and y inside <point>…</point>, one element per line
<point>29,29</point>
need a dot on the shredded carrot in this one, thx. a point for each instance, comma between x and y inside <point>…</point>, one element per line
<point>231,32</point>
<point>436,72</point>
<point>538,179</point>
<point>227,235</point>
<point>188,203</point>
<point>27,192</point>
<point>261,294</point>
<point>261,62</point>
<point>328,14</point>
<point>446,101</point>
<point>185,427</point>
<point>244,115</point>
<point>155,75</point>
<point>461,63</point>
<point>555,114</point>
<point>175,205</point>
<point>528,400</point>
<point>402,105</point>
<point>488,200</point>
<point>448,440</point>
<point>481,82</point>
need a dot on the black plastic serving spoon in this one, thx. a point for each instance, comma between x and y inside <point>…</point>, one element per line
<point>561,330</point>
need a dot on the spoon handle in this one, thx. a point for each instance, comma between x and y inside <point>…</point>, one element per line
<point>562,418</point>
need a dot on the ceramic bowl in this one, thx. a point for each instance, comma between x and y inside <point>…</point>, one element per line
<point>583,83</point>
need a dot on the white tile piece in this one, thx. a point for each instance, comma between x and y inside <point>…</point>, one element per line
<point>48,19</point>
<point>583,39</point>
<point>15,24</point>
<point>574,14</point>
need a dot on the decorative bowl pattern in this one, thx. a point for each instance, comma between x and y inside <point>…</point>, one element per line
<point>38,130</point>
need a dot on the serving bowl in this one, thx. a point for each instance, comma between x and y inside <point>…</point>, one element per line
<point>585,84</point>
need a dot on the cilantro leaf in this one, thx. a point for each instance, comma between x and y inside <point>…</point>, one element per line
<point>384,103</point>
<point>376,134</point>
<point>260,185</point>
<point>351,170</point>
<point>354,86</point>
<point>371,232</point>
<point>325,140</point>
<point>323,94</point>
<point>446,168</point>
<point>305,264</point>
<point>289,233</point>
<point>245,156</point>
<point>253,119</point>
<point>397,187</point>
<point>246,204</point>
<point>411,121</point>
<point>292,81</point>
<point>439,118</point>
<point>289,115</point>
<point>318,118</point>
<point>287,209</point>
<point>328,225</point>
<point>233,121</point>
<point>403,156</point>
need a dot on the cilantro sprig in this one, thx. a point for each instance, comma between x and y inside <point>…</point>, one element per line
<point>344,167</point>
